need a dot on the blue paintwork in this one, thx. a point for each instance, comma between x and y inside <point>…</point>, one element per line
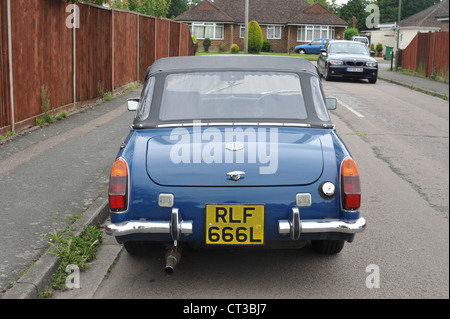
<point>309,156</point>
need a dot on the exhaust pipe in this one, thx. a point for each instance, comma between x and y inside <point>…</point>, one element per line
<point>173,257</point>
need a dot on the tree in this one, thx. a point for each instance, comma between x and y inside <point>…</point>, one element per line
<point>255,37</point>
<point>156,8</point>
<point>354,8</point>
<point>350,32</point>
<point>389,8</point>
<point>177,7</point>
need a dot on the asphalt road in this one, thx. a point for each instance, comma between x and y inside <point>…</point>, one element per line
<point>400,140</point>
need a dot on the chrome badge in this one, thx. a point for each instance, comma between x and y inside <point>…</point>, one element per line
<point>234,146</point>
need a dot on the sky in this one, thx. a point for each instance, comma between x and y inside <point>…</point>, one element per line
<point>339,2</point>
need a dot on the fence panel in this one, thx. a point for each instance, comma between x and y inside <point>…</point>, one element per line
<point>42,49</point>
<point>162,38</point>
<point>93,52</point>
<point>441,56</point>
<point>147,44</point>
<point>5,115</point>
<point>125,48</point>
<point>174,39</point>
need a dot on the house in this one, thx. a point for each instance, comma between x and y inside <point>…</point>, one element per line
<point>285,23</point>
<point>434,18</point>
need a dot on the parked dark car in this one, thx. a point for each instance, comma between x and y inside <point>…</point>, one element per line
<point>312,47</point>
<point>234,151</point>
<point>347,59</point>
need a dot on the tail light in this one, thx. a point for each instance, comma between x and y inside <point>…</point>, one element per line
<point>118,186</point>
<point>350,185</point>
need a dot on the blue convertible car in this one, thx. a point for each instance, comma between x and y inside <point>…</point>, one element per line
<point>233,151</point>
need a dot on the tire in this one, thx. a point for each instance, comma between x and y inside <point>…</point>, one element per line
<point>373,80</point>
<point>327,247</point>
<point>326,75</point>
<point>136,247</point>
<point>302,51</point>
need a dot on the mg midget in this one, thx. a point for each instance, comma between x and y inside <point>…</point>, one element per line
<point>233,151</point>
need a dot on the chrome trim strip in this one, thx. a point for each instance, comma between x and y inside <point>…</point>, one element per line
<point>233,124</point>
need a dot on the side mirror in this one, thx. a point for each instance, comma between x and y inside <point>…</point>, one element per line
<point>331,103</point>
<point>323,52</point>
<point>133,104</point>
<point>372,53</point>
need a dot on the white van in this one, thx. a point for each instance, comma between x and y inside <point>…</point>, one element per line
<point>364,40</point>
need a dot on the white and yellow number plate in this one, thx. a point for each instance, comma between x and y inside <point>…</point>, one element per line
<point>234,224</point>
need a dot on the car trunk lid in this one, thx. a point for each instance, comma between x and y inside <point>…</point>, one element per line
<point>204,157</point>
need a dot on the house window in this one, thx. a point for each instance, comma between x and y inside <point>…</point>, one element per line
<point>307,33</point>
<point>242,32</point>
<point>273,32</point>
<point>203,30</point>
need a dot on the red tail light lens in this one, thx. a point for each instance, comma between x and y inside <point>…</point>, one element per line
<point>350,185</point>
<point>118,186</point>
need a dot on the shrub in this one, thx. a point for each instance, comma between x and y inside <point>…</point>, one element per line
<point>350,32</point>
<point>266,46</point>
<point>221,47</point>
<point>234,49</point>
<point>255,37</point>
<point>379,47</point>
<point>206,44</point>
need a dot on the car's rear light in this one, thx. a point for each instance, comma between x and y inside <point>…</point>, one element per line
<point>350,185</point>
<point>118,186</point>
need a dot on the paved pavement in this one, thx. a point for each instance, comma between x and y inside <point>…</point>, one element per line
<point>435,88</point>
<point>19,154</point>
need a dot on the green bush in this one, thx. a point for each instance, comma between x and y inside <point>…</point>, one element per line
<point>206,44</point>
<point>379,47</point>
<point>350,32</point>
<point>234,49</point>
<point>221,47</point>
<point>266,46</point>
<point>255,37</point>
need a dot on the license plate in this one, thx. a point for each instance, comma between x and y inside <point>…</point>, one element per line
<point>234,224</point>
<point>354,69</point>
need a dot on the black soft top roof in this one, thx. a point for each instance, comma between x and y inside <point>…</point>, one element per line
<point>230,62</point>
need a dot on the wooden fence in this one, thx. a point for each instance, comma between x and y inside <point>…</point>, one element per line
<point>110,49</point>
<point>427,54</point>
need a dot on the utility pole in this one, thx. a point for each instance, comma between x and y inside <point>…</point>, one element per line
<point>398,34</point>
<point>246,28</point>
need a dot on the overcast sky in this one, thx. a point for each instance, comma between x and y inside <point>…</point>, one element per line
<point>339,2</point>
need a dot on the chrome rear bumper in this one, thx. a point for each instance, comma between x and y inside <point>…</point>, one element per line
<point>295,226</point>
<point>175,227</point>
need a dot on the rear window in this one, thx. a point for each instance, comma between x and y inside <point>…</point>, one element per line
<point>232,95</point>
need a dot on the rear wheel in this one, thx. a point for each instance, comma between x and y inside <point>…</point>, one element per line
<point>136,247</point>
<point>328,247</point>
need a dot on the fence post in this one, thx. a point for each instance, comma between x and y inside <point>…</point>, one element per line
<point>112,48</point>
<point>11,83</point>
